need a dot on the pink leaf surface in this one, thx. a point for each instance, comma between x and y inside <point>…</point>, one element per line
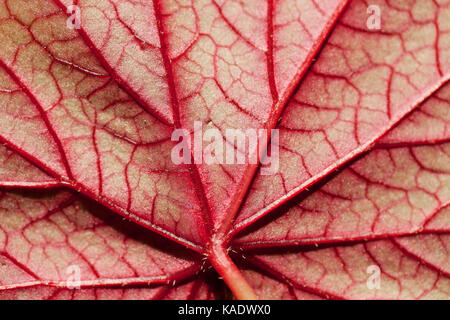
<point>363,83</point>
<point>87,114</point>
<point>227,64</point>
<point>388,192</point>
<point>429,123</point>
<point>340,272</point>
<point>42,235</point>
<point>191,291</point>
<point>99,138</point>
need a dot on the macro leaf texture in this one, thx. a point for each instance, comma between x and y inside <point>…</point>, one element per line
<point>93,91</point>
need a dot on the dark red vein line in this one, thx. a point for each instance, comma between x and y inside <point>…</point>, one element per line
<point>99,167</point>
<point>269,52</point>
<point>44,116</point>
<point>31,185</point>
<point>409,144</point>
<point>165,280</point>
<point>338,241</point>
<point>436,43</point>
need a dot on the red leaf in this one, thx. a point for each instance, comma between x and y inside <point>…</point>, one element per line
<point>342,272</point>
<point>92,91</point>
<point>17,172</point>
<point>42,235</point>
<point>218,70</point>
<point>389,192</point>
<point>362,84</point>
<point>194,290</point>
<point>430,123</point>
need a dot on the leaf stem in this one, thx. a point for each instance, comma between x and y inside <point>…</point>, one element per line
<point>230,273</point>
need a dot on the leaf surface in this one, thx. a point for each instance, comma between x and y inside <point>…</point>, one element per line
<point>87,117</point>
<point>340,272</point>
<point>98,137</point>
<point>362,84</point>
<point>389,192</point>
<point>227,64</point>
<point>42,235</point>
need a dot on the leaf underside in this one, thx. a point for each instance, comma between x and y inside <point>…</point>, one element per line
<point>86,175</point>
